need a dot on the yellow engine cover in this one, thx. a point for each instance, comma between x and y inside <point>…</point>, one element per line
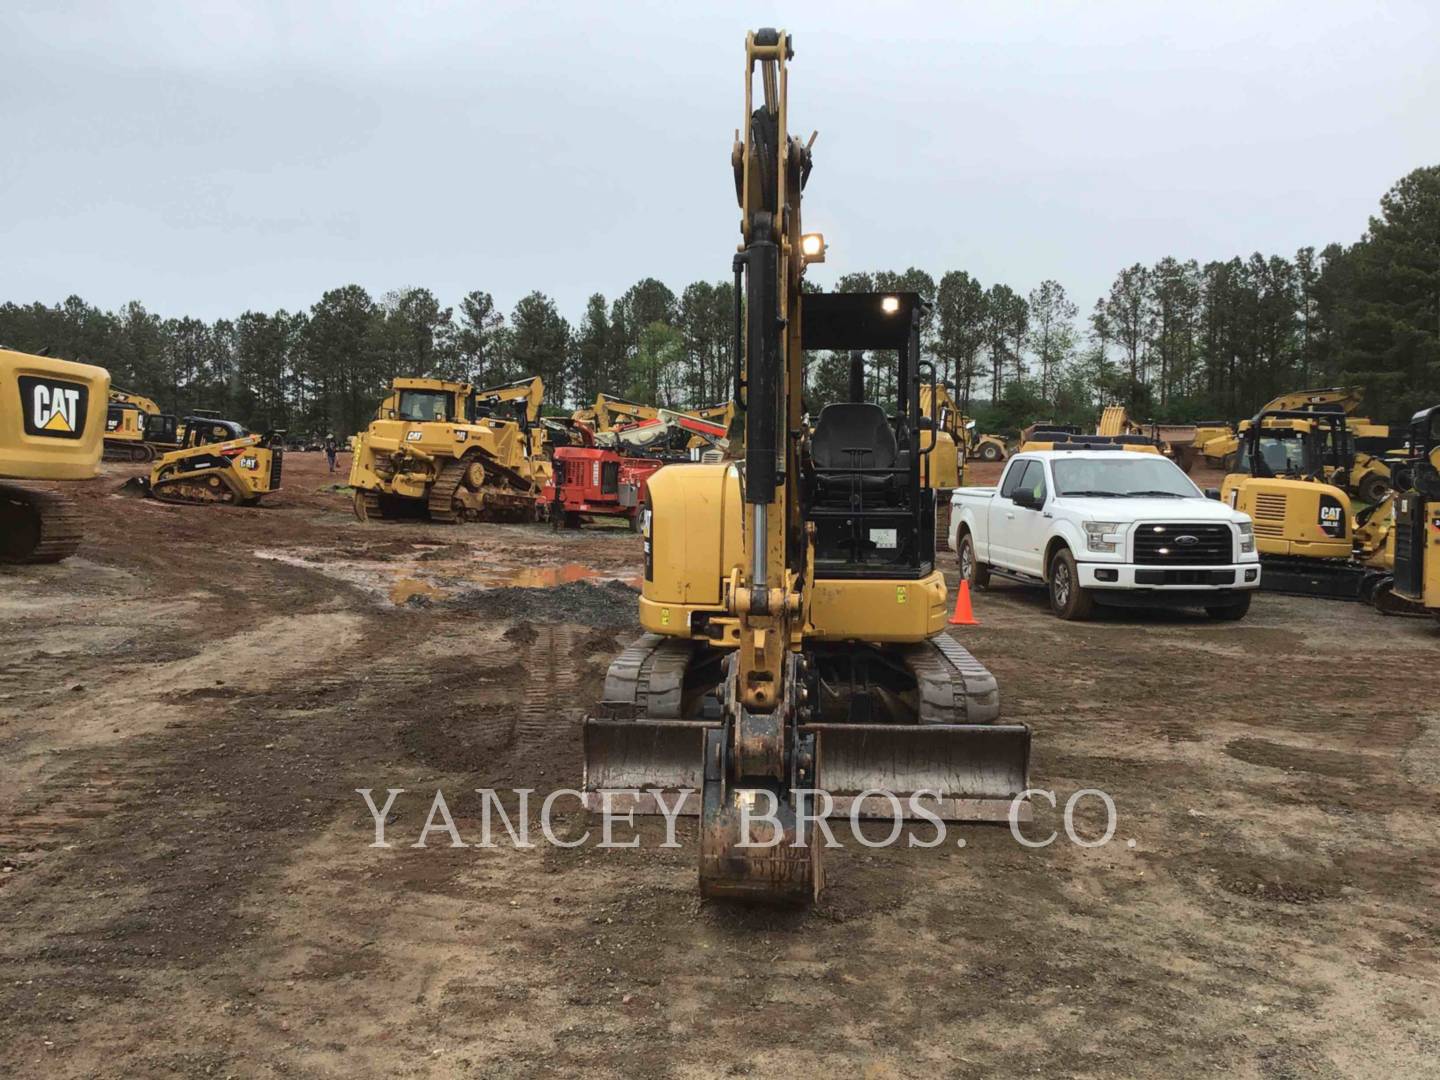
<point>52,417</point>
<point>693,544</point>
<point>1293,517</point>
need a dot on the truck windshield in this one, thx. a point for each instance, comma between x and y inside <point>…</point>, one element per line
<point>1151,477</point>
<point>424,405</point>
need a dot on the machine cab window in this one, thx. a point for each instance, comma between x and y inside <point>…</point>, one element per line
<point>424,406</point>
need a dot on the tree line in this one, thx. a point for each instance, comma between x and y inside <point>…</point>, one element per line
<point>1174,341</point>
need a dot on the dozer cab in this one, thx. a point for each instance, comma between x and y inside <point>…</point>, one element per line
<point>218,462</point>
<point>52,427</point>
<point>453,452</point>
<point>795,654</point>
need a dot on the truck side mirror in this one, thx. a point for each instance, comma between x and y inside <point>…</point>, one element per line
<point>1026,498</point>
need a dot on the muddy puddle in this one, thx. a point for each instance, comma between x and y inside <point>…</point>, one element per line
<point>426,573</point>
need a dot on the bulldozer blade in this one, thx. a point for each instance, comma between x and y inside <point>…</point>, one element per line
<point>626,757</point>
<point>136,485</point>
<point>978,770</point>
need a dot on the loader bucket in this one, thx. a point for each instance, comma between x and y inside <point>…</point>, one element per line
<point>136,486</point>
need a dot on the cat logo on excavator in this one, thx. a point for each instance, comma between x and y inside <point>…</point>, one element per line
<point>53,409</point>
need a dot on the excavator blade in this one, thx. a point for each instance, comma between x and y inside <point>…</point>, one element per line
<point>966,772</point>
<point>633,759</point>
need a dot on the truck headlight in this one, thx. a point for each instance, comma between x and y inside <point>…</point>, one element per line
<point>1103,536</point>
<point>1247,538</point>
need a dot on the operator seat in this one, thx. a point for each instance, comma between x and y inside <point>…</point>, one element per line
<point>850,436</point>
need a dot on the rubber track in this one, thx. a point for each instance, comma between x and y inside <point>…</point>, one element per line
<point>60,525</point>
<point>954,687</point>
<point>647,680</point>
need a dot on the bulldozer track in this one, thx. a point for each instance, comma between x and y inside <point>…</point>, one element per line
<point>441,500</point>
<point>39,526</point>
<point>954,687</point>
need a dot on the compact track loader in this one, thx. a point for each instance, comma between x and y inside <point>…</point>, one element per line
<point>453,452</point>
<point>52,427</point>
<point>218,462</point>
<point>794,657</point>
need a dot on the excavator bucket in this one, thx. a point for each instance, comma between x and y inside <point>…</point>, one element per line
<point>958,772</point>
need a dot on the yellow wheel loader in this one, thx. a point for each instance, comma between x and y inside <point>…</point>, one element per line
<point>795,663</point>
<point>217,462</point>
<point>52,427</point>
<point>453,452</point>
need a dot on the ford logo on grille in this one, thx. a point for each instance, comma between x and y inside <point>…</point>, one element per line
<point>1187,540</point>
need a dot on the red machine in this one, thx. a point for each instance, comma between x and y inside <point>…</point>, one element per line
<point>593,482</point>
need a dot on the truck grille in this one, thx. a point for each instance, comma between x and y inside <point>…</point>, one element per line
<point>1179,544</point>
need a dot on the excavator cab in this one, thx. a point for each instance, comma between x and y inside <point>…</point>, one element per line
<point>862,487</point>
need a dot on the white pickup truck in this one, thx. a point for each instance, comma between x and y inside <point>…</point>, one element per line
<point>1108,526</point>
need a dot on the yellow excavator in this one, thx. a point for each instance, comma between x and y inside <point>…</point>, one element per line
<point>217,462</point>
<point>1366,476</point>
<point>795,663</point>
<point>136,429</point>
<point>1310,536</point>
<point>454,452</point>
<point>52,427</point>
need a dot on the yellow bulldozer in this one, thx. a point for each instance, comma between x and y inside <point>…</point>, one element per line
<point>453,452</point>
<point>136,429</point>
<point>795,663</point>
<point>217,462</point>
<point>52,427</point>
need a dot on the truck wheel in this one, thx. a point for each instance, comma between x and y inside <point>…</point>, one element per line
<point>1067,599</point>
<point>1234,611</point>
<point>971,568</point>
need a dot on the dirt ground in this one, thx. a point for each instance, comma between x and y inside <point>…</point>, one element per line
<point>186,886</point>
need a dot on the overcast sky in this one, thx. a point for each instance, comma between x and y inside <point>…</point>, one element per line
<point>206,158</point>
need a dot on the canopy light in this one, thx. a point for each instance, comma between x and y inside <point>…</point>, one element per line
<point>812,247</point>
<point>890,305</point>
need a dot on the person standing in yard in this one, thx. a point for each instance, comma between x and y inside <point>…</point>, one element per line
<point>332,450</point>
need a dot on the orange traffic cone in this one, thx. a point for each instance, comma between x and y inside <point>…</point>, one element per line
<point>962,615</point>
